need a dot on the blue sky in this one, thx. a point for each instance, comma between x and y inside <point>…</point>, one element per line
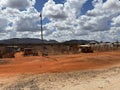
<point>62,19</point>
<point>87,6</point>
<point>40,3</point>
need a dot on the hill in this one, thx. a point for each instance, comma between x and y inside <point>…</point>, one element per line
<point>39,41</point>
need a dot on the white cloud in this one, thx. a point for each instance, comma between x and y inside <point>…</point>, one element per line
<point>66,21</point>
<point>3,24</point>
<point>28,25</point>
<point>108,8</point>
<point>112,5</point>
<point>13,21</point>
<point>96,22</point>
<point>27,21</point>
<point>18,4</point>
<point>54,11</point>
<point>73,7</point>
<point>70,9</point>
<point>116,21</point>
<point>22,20</point>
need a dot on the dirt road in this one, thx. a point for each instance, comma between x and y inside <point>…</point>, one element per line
<point>60,63</point>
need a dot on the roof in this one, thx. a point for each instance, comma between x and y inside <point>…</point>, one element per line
<point>93,42</point>
<point>28,48</point>
<point>84,46</point>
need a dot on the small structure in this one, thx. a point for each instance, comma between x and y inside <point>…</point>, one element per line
<point>10,49</point>
<point>85,48</point>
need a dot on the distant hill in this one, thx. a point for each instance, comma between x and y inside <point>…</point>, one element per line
<point>79,41</point>
<point>25,41</point>
<point>39,41</point>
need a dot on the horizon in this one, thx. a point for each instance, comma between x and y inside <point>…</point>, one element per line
<point>61,41</point>
<point>63,20</point>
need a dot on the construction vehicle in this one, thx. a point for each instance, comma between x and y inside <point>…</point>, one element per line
<point>44,52</point>
<point>30,51</point>
<point>8,52</point>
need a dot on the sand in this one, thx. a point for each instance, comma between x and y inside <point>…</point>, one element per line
<point>102,79</point>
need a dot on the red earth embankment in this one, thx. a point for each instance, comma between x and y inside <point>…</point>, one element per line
<point>59,63</point>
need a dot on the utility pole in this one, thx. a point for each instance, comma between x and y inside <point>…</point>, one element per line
<point>42,34</point>
<point>41,26</point>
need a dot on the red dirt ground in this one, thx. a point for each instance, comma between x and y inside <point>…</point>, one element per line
<point>59,63</point>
